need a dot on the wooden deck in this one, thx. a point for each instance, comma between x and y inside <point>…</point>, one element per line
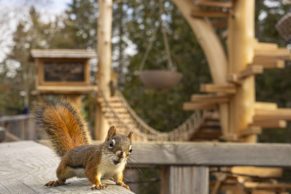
<point>26,166</point>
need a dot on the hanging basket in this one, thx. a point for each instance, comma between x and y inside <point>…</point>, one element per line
<point>283,26</point>
<point>160,79</point>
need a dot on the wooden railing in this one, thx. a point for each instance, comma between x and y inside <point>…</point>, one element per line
<point>185,166</point>
<point>18,127</point>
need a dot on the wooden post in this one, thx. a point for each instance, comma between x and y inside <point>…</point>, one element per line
<point>185,179</point>
<point>241,52</point>
<point>213,50</point>
<point>104,62</point>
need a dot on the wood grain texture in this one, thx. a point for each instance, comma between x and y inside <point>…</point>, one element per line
<point>189,180</point>
<point>27,166</point>
<point>211,154</point>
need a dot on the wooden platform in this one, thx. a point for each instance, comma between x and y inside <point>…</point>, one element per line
<point>26,166</point>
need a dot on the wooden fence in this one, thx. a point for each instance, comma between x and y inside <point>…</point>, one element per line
<point>185,166</point>
<point>18,127</point>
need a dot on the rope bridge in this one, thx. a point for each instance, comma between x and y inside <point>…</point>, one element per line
<point>119,113</point>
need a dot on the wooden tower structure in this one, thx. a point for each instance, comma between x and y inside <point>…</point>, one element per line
<point>233,72</point>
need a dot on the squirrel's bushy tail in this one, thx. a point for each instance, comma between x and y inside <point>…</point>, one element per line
<point>64,126</point>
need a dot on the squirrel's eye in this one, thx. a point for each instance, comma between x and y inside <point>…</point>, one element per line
<point>112,143</point>
<point>130,150</point>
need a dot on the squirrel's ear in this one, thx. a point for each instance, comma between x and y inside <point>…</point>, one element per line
<point>111,132</point>
<point>130,135</point>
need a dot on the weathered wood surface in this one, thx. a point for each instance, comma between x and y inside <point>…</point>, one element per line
<point>26,166</point>
<point>189,180</point>
<point>212,154</point>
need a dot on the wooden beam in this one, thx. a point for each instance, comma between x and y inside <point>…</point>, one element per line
<point>279,52</point>
<point>213,14</point>
<point>257,171</point>
<point>218,88</point>
<point>249,71</point>
<point>265,46</point>
<point>279,114</point>
<point>266,106</point>
<point>211,154</point>
<point>190,106</point>
<point>205,97</point>
<point>66,89</point>
<point>210,3</point>
<point>269,63</point>
<point>267,186</point>
<point>249,131</point>
<point>269,123</point>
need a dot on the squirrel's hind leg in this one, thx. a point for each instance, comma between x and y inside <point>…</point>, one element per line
<point>63,173</point>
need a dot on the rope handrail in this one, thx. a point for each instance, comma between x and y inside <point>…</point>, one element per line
<point>182,133</point>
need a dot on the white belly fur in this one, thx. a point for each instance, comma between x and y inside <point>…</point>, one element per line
<point>107,169</point>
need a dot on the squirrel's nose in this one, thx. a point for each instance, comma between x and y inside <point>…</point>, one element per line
<point>120,154</point>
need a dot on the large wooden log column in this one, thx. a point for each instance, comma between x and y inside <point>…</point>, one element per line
<point>104,62</point>
<point>213,50</point>
<point>241,52</point>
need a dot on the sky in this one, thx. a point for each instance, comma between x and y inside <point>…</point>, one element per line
<point>11,11</point>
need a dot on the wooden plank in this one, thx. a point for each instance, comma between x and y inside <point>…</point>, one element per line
<point>27,166</point>
<point>266,106</point>
<point>265,46</point>
<point>218,88</point>
<point>249,71</point>
<point>269,123</point>
<point>267,186</point>
<point>280,52</point>
<point>257,171</point>
<point>279,114</point>
<point>63,53</point>
<point>218,4</point>
<point>189,180</point>
<point>209,98</point>
<point>252,130</point>
<point>212,154</point>
<point>66,89</point>
<point>190,106</point>
<point>268,63</point>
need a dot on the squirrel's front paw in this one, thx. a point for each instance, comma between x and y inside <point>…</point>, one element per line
<point>54,183</point>
<point>99,187</point>
<point>123,185</point>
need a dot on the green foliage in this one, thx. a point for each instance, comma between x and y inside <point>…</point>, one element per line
<point>163,109</point>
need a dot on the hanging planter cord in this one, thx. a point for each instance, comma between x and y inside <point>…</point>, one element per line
<point>165,41</point>
<point>165,37</point>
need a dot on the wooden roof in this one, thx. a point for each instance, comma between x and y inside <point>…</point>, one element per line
<point>63,53</point>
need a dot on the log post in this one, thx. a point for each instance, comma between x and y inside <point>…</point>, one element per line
<point>104,62</point>
<point>241,52</point>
